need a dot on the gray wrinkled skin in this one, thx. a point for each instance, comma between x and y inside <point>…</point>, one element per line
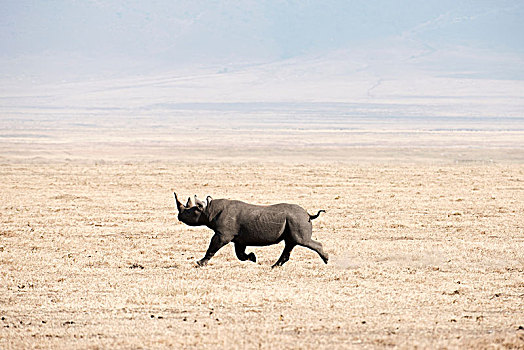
<point>251,225</point>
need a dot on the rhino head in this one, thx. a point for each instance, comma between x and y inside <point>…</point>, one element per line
<point>191,214</point>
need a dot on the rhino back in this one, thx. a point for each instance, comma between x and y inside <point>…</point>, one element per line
<point>257,225</point>
<point>250,224</point>
<point>260,226</point>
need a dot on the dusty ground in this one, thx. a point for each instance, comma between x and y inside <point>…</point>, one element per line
<point>422,255</point>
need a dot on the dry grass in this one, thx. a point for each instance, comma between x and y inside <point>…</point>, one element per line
<point>92,256</point>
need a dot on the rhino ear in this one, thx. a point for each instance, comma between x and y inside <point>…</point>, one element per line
<point>189,204</point>
<point>209,199</point>
<point>199,203</point>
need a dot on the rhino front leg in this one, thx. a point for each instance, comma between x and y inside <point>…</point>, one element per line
<point>217,241</point>
<point>240,250</point>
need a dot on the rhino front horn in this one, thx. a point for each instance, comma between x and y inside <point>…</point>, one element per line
<point>179,205</point>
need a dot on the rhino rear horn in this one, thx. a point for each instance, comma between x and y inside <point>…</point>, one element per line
<point>189,203</point>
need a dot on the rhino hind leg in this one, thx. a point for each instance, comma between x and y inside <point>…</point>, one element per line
<point>301,233</point>
<point>285,254</point>
<point>240,251</point>
<point>317,247</point>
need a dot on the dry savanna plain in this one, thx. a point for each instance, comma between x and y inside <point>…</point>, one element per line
<point>426,243</point>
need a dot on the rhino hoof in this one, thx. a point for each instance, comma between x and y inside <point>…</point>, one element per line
<point>201,263</point>
<point>252,257</point>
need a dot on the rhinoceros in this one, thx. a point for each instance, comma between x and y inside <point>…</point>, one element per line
<point>250,225</point>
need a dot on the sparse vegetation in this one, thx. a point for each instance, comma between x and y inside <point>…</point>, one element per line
<point>93,256</point>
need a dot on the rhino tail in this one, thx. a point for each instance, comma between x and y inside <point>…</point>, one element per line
<point>313,217</point>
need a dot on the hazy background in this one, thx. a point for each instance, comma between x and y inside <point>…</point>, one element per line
<point>72,39</point>
<point>203,65</point>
